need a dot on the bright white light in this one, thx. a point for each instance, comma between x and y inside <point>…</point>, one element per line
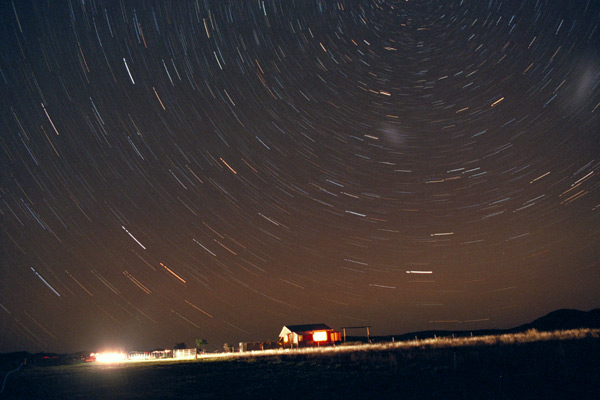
<point>109,357</point>
<point>320,336</point>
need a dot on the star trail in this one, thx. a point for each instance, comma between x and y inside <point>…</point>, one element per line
<point>217,169</point>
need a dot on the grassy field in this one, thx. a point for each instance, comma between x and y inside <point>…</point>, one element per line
<point>560,367</point>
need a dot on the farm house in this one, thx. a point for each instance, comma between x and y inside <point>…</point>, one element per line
<point>308,335</point>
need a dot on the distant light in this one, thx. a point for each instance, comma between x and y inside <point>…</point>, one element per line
<point>109,357</point>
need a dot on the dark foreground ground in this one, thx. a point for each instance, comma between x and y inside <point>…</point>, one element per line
<point>541,370</point>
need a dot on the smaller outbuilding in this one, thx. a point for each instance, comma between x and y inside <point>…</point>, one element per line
<point>256,346</point>
<point>309,335</point>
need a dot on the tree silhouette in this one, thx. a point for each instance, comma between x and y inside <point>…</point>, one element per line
<point>200,343</point>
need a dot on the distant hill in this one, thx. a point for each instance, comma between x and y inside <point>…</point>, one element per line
<point>556,320</point>
<point>564,319</point>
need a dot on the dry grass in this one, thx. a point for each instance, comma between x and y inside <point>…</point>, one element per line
<point>529,336</point>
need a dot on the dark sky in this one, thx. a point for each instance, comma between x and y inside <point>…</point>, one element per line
<point>217,169</point>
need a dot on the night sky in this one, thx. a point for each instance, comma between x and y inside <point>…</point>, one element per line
<point>217,169</point>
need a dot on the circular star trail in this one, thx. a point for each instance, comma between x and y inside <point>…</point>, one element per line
<point>217,169</point>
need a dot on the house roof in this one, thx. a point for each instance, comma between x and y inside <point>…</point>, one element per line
<point>303,328</point>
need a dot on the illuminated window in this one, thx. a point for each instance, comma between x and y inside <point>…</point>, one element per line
<point>285,339</point>
<point>320,336</point>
